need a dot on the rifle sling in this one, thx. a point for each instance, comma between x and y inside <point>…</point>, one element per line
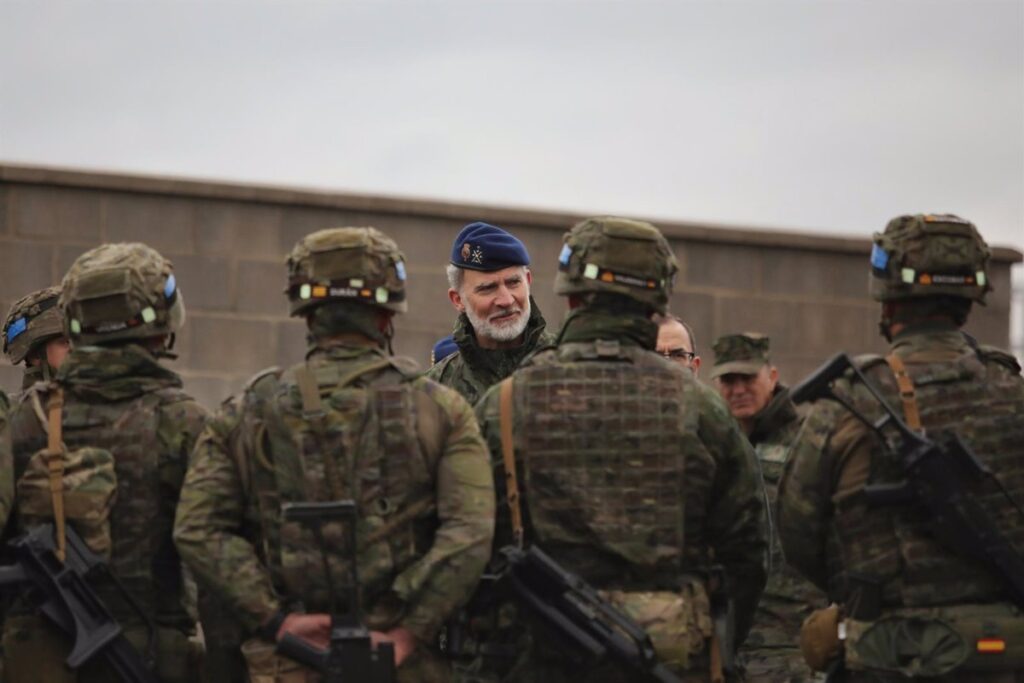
<point>907,395</point>
<point>55,466</point>
<point>508,457</point>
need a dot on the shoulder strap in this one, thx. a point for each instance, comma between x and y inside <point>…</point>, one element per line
<point>907,395</point>
<point>55,465</point>
<point>508,456</point>
<point>313,412</point>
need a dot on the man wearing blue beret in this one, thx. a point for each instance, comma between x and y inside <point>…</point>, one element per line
<point>499,324</point>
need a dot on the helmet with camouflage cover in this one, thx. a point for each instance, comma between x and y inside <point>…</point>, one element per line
<point>346,264</point>
<point>618,255</point>
<point>32,321</point>
<point>928,255</point>
<point>120,291</point>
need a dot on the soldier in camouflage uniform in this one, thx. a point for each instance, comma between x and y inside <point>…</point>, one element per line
<point>34,333</point>
<point>911,609</point>
<point>499,323</point>
<point>748,382</point>
<point>633,475</point>
<point>127,429</point>
<point>6,462</point>
<point>351,422</point>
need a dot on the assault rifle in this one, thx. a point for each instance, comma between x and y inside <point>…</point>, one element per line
<point>936,471</point>
<point>351,656</point>
<point>569,607</point>
<point>66,598</point>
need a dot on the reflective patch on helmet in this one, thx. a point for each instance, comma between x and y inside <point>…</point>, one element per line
<point>566,254</point>
<point>319,291</point>
<point>382,295</point>
<point>980,276</point>
<point>170,286</point>
<point>16,328</point>
<point>400,270</point>
<point>591,271</point>
<point>76,327</point>
<point>879,257</point>
<point>305,291</point>
<point>908,275</point>
<point>148,314</point>
<point>358,283</point>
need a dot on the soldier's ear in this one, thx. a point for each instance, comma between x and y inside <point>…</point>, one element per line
<point>456,299</point>
<point>529,277</point>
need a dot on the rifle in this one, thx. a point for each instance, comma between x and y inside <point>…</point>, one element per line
<point>351,655</point>
<point>935,472</point>
<point>575,612</point>
<point>67,599</point>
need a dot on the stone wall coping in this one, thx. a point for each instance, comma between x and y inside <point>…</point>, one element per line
<point>427,208</point>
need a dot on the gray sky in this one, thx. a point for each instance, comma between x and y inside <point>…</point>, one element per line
<point>825,116</point>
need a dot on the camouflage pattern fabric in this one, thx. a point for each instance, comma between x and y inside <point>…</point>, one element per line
<point>772,651</point>
<point>640,478</point>
<point>6,463</point>
<point>32,375</point>
<point>744,354</point>
<point>407,449</point>
<point>33,320</point>
<point>473,369</point>
<point>827,530</point>
<point>122,400</point>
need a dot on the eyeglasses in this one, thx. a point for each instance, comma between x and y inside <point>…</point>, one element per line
<point>680,354</point>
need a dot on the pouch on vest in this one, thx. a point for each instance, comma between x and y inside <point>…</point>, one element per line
<point>77,486</point>
<point>679,623</point>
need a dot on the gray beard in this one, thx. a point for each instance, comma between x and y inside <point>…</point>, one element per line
<point>500,333</point>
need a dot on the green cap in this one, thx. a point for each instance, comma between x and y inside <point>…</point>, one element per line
<point>742,354</point>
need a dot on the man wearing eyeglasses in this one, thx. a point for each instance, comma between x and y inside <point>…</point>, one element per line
<point>677,342</point>
<point>749,383</point>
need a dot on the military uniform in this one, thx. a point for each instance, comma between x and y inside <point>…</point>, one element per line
<point>406,449</point>
<point>6,462</point>
<point>632,474</point>
<point>128,430</point>
<point>472,369</point>
<point>913,609</point>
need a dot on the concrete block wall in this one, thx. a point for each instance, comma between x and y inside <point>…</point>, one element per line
<point>228,244</point>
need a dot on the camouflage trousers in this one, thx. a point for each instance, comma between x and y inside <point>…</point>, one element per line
<point>771,652</point>
<point>35,652</point>
<point>778,665</point>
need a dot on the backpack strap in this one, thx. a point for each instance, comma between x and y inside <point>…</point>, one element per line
<point>907,396</point>
<point>55,465</point>
<point>508,457</point>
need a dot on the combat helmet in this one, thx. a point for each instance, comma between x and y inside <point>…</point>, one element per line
<point>32,321</point>
<point>618,255</point>
<point>346,264</point>
<point>121,291</point>
<point>928,255</point>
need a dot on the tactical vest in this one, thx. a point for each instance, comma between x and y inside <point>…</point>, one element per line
<point>366,448</point>
<point>141,554</point>
<point>981,401</point>
<point>602,441</point>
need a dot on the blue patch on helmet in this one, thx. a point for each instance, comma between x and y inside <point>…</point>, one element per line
<point>879,257</point>
<point>563,258</point>
<point>169,286</point>
<point>400,270</point>
<point>16,328</point>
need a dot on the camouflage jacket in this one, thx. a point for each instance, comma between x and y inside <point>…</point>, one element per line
<point>6,463</point>
<point>788,598</point>
<point>31,376</point>
<point>407,449</point>
<point>103,385</point>
<point>472,369</point>
<point>699,499</point>
<point>827,528</point>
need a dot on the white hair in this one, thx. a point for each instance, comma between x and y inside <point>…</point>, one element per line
<point>455,277</point>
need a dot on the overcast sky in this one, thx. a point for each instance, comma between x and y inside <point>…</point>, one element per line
<point>825,116</point>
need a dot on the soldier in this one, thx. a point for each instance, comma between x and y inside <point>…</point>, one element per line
<point>351,422</point>
<point>6,463</point>
<point>499,323</point>
<point>912,608</point>
<point>632,473</point>
<point>127,430</point>
<point>677,342</point>
<point>34,333</point>
<point>749,383</point>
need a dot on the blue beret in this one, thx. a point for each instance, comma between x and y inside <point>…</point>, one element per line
<point>480,246</point>
<point>444,347</point>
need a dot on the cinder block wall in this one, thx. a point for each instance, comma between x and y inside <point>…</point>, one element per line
<point>228,243</point>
